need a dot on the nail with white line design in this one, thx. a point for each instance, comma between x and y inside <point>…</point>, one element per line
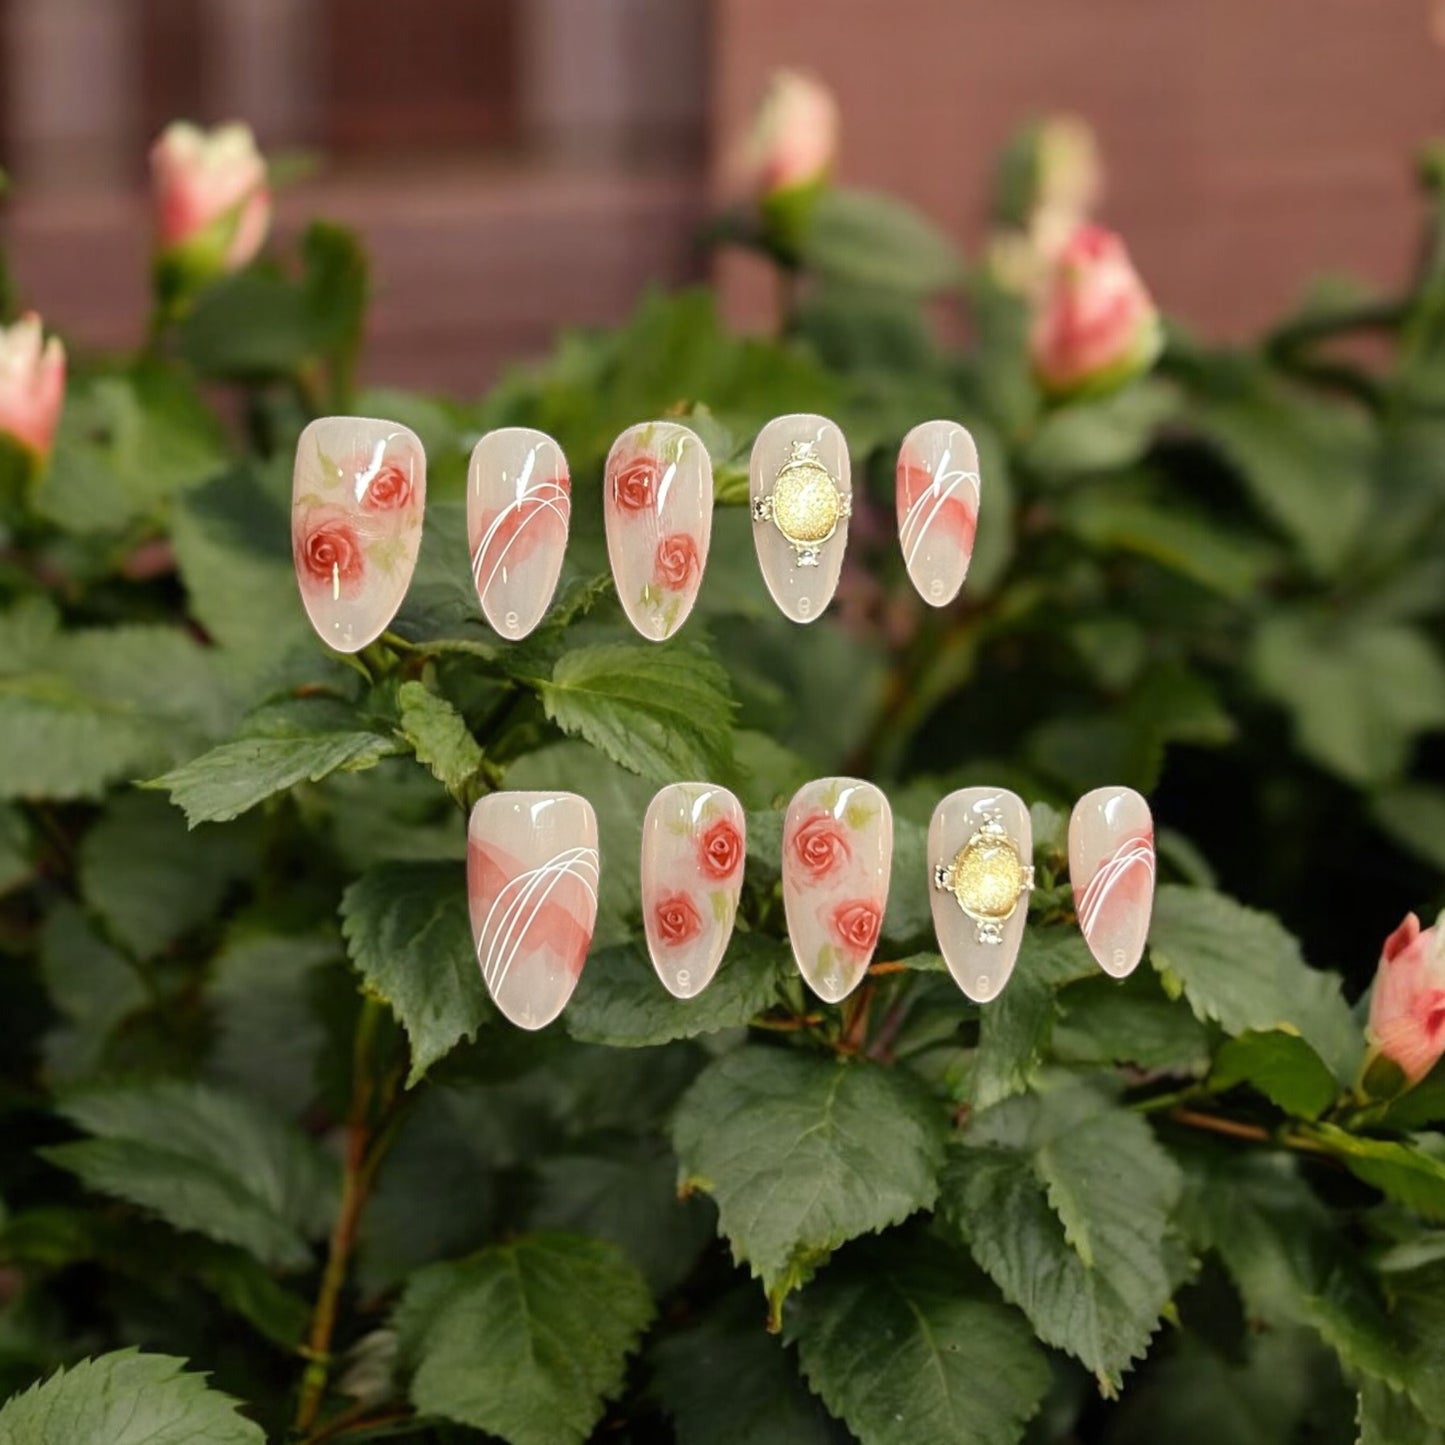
<point>519,503</point>
<point>532,872</point>
<point>937,499</point>
<point>1111,866</point>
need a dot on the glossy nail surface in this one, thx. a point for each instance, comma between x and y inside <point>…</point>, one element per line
<point>837,855</point>
<point>519,502</point>
<point>357,497</point>
<point>657,505</point>
<point>1111,867</point>
<point>532,892</point>
<point>937,497</point>
<point>693,842</point>
<point>980,843</point>
<point>801,491</point>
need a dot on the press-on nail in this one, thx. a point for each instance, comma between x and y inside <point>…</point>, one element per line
<point>519,502</point>
<point>532,892</point>
<point>657,506</point>
<point>837,855</point>
<point>357,497</point>
<point>937,495</point>
<point>1111,867</point>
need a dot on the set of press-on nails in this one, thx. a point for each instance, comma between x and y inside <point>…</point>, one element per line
<point>360,491</point>
<point>533,869</point>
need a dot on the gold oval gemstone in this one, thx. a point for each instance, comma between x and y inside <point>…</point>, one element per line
<point>806,503</point>
<point>988,877</point>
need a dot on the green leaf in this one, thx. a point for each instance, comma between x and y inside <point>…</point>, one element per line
<point>149,879</point>
<point>1359,692</point>
<point>727,1379</point>
<point>1105,1021</point>
<point>125,1398</point>
<point>1282,1067</point>
<point>409,935</point>
<point>867,239</point>
<point>660,710</point>
<point>803,1153</point>
<point>1414,816</point>
<point>1411,1172</point>
<point>1104,434</point>
<point>1240,969</point>
<point>907,1349</point>
<point>1065,1201</point>
<point>525,1340</point>
<point>303,741</point>
<point>203,1160</point>
<point>1389,1417</point>
<point>439,736</point>
<point>620,1002</point>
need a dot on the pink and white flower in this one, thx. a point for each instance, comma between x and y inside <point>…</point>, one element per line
<point>212,203</point>
<point>794,139</point>
<point>1407,1005</point>
<point>32,384</point>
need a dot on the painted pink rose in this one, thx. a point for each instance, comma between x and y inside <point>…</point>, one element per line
<point>855,924</point>
<point>329,554</point>
<point>1095,325</point>
<point>388,491</point>
<point>821,846</point>
<point>720,850</point>
<point>953,516</point>
<point>211,196</point>
<point>1407,1006</point>
<point>634,484</point>
<point>794,139</point>
<point>32,384</point>
<point>675,562</point>
<point>677,919</point>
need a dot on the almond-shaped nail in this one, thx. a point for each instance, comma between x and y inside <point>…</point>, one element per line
<point>837,855</point>
<point>937,496</point>
<point>357,497</point>
<point>801,490</point>
<point>519,502</point>
<point>1111,867</point>
<point>979,846</point>
<point>532,892</point>
<point>657,507</point>
<point>693,841</point>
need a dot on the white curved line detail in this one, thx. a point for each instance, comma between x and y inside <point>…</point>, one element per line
<point>932,497</point>
<point>559,504</point>
<point>1131,853</point>
<point>521,911</point>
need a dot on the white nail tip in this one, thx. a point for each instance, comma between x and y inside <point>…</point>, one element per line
<point>1111,867</point>
<point>694,838</point>
<point>532,870</point>
<point>358,493</point>
<point>801,492</point>
<point>980,846</point>
<point>519,505</point>
<point>837,856</point>
<point>937,503</point>
<point>657,507</point>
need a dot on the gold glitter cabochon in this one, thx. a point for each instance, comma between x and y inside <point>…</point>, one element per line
<point>806,504</point>
<point>979,845</point>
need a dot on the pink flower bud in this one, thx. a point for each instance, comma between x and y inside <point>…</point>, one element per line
<point>1407,1006</point>
<point>1095,326</point>
<point>32,384</point>
<point>795,136</point>
<point>211,199</point>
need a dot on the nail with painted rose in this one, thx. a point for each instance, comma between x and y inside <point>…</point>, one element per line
<point>657,507</point>
<point>979,845</point>
<point>357,499</point>
<point>837,855</point>
<point>1111,867</point>
<point>801,490</point>
<point>693,841</point>
<point>937,497</point>
<point>532,871</point>
<point>519,503</point>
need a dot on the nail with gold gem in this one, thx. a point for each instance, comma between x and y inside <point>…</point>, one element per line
<point>980,841</point>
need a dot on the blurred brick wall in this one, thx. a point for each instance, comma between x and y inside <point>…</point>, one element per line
<point>1251,144</point>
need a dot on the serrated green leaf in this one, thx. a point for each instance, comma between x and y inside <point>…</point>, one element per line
<point>907,1349</point>
<point>204,1160</point>
<point>1104,1021</point>
<point>1282,1066</point>
<point>803,1153</point>
<point>407,929</point>
<point>1411,1172</point>
<point>620,1002</point>
<point>525,1340</point>
<point>1065,1201</point>
<point>125,1398</point>
<point>1240,969</point>
<point>661,710</point>
<point>867,239</point>
<point>439,736</point>
<point>1389,1417</point>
